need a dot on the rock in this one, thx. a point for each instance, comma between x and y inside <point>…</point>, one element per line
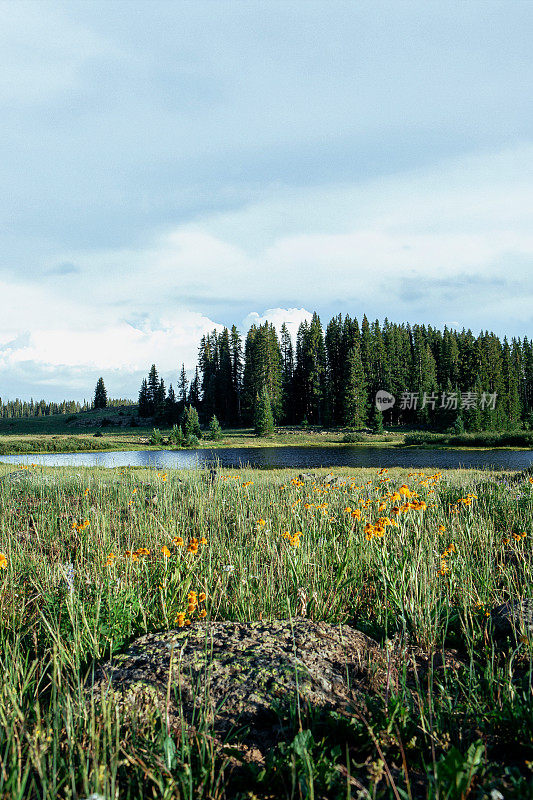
<point>241,673</point>
<point>513,618</point>
<point>307,477</point>
<point>522,475</point>
<point>325,480</point>
<point>17,477</point>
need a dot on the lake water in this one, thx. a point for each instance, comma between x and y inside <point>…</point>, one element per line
<point>290,457</point>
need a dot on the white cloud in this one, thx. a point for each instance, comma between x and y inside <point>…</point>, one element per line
<point>450,243</point>
<point>319,245</point>
<point>43,52</point>
<point>292,317</point>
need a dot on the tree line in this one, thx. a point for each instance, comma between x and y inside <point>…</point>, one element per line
<point>439,379</point>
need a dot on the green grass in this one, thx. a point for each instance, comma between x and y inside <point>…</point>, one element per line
<point>76,432</point>
<point>510,439</point>
<point>439,733</point>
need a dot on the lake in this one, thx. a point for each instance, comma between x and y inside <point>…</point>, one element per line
<point>307,457</point>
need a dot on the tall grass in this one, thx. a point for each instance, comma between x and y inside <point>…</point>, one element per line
<point>72,594</point>
<point>480,439</point>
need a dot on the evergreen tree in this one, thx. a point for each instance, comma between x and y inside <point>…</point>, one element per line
<point>190,423</point>
<point>376,422</point>
<point>171,406</point>
<point>225,400</point>
<point>262,369</point>
<point>287,374</point>
<point>236,373</point>
<point>215,431</point>
<point>100,394</point>
<point>263,419</point>
<point>355,396</point>
<point>153,390</point>
<point>144,402</point>
<point>183,383</point>
<point>336,364</point>
<point>310,371</point>
<point>194,390</point>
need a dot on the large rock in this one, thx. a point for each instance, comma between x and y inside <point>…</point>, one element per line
<point>514,618</point>
<point>241,673</point>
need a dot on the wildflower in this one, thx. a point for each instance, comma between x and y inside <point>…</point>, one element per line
<point>165,551</point>
<point>3,561</point>
<point>404,489</point>
<point>180,619</point>
<point>203,540</point>
<point>261,523</point>
<point>202,613</point>
<point>348,510</point>
<point>178,541</point>
<point>442,528</point>
<point>202,597</point>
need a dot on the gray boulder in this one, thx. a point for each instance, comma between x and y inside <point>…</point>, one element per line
<point>240,674</point>
<point>514,618</point>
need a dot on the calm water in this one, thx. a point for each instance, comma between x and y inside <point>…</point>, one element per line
<point>291,457</point>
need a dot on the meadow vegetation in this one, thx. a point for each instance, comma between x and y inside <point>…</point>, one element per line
<point>92,558</point>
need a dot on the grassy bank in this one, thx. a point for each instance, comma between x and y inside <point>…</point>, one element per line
<point>267,548</point>
<point>109,429</point>
<point>483,439</point>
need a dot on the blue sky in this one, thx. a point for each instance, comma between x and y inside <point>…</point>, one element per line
<point>171,166</point>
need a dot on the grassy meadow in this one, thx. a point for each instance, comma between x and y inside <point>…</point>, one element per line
<point>92,558</point>
<point>102,430</point>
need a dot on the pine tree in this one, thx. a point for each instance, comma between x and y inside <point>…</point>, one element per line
<point>376,423</point>
<point>335,367</point>
<point>355,396</point>
<point>262,369</point>
<point>171,406</point>
<point>225,400</point>
<point>100,394</point>
<point>182,386</point>
<point>153,390</point>
<point>236,373</point>
<point>263,419</point>
<point>190,423</point>
<point>144,402</point>
<point>215,431</point>
<point>194,390</point>
<point>287,374</point>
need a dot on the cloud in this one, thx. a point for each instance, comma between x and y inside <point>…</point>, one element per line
<point>424,242</point>
<point>292,317</point>
<point>64,269</point>
<point>450,242</point>
<point>43,52</point>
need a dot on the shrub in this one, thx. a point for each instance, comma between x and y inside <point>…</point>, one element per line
<point>191,441</point>
<point>156,437</point>
<point>352,438</point>
<point>176,436</point>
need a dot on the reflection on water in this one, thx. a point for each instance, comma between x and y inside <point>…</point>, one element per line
<point>290,457</point>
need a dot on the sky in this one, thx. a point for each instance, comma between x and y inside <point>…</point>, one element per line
<point>171,167</point>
